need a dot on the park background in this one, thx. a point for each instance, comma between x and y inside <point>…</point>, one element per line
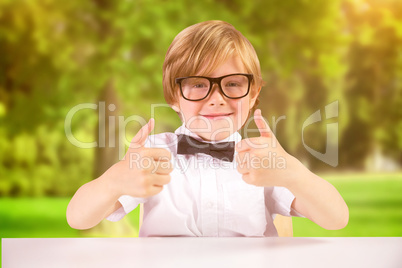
<point>55,55</point>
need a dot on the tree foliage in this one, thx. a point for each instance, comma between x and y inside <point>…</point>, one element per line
<point>56,55</point>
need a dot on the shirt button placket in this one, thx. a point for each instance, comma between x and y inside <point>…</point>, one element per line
<point>209,197</point>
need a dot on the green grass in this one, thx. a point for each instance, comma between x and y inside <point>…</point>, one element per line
<point>41,217</point>
<point>375,206</point>
<point>374,200</point>
<point>46,217</point>
<point>27,217</point>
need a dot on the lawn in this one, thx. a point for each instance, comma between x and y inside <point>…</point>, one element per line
<point>375,206</point>
<point>374,200</point>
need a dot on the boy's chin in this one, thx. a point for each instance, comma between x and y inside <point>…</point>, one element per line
<point>213,131</point>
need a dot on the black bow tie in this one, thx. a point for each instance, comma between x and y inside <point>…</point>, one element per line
<point>222,150</point>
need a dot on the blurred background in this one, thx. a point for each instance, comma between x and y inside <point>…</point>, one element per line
<point>58,55</point>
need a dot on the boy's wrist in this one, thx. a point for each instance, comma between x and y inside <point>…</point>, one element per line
<point>110,182</point>
<point>296,173</point>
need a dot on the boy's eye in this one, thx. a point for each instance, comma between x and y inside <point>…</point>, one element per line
<point>199,85</point>
<point>233,84</point>
<point>196,83</point>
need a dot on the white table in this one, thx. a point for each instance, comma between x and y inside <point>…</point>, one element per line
<point>202,252</point>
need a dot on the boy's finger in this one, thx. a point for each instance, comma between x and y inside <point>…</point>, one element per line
<point>242,159</point>
<point>162,169</point>
<point>158,154</point>
<point>159,180</point>
<point>242,146</point>
<point>252,143</point>
<point>139,140</point>
<point>262,125</point>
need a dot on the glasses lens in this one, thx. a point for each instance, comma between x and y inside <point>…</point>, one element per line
<point>235,86</point>
<point>195,88</point>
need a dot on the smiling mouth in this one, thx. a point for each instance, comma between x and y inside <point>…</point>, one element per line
<point>216,116</point>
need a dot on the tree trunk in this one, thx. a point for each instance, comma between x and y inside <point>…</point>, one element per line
<point>107,154</point>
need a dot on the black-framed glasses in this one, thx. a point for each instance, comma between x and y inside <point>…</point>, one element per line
<point>233,86</point>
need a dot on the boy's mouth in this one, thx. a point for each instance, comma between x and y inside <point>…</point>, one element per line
<point>217,116</point>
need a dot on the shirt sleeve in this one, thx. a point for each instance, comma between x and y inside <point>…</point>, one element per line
<point>128,204</point>
<point>278,200</point>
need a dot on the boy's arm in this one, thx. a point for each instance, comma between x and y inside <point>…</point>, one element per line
<point>97,199</point>
<point>315,198</point>
<point>92,202</point>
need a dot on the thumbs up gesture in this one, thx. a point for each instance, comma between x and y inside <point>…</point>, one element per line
<point>143,171</point>
<point>262,161</point>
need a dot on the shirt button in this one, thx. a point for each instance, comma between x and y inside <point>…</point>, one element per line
<point>210,204</point>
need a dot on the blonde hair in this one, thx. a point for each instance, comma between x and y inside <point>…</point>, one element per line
<point>202,47</point>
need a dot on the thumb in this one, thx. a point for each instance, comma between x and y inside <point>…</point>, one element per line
<point>139,140</point>
<point>262,125</point>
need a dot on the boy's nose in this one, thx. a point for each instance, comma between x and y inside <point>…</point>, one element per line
<point>216,96</point>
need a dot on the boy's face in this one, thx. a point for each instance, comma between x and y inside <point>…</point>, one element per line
<point>216,117</point>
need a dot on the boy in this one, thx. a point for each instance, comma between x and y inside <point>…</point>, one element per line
<point>204,180</point>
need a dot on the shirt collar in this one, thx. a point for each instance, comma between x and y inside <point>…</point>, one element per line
<point>236,137</point>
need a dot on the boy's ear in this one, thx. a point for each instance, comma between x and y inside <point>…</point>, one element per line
<point>175,107</point>
<point>252,101</point>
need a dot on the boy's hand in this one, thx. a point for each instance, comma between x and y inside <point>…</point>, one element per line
<point>143,171</point>
<point>262,161</point>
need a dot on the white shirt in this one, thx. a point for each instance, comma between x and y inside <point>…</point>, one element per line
<point>206,197</point>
